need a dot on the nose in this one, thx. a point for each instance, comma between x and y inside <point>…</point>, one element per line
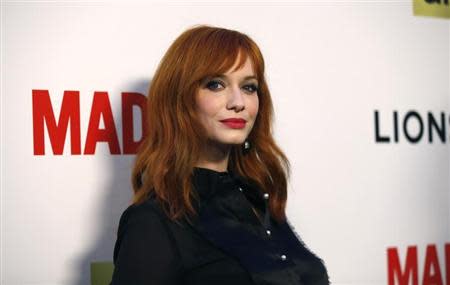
<point>236,99</point>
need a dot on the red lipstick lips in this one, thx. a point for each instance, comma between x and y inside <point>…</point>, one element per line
<point>234,123</point>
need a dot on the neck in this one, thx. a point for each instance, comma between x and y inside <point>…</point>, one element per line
<point>215,157</point>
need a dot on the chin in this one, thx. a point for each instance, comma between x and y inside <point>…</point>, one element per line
<point>231,141</point>
<point>229,138</point>
<point>236,142</point>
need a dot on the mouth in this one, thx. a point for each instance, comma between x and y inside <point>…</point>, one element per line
<point>234,123</point>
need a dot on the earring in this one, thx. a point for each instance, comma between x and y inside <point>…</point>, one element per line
<point>246,146</point>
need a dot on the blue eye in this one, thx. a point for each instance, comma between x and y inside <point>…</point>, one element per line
<point>212,85</point>
<point>253,88</point>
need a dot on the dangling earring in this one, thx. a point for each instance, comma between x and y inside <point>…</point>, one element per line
<point>246,146</point>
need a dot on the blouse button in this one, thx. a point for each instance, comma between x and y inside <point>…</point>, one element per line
<point>268,232</point>
<point>266,196</point>
<point>283,257</point>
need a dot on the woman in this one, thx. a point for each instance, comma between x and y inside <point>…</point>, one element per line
<point>210,183</point>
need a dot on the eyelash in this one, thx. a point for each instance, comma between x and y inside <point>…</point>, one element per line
<point>212,82</point>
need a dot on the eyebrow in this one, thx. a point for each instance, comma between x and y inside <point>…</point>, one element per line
<point>245,78</point>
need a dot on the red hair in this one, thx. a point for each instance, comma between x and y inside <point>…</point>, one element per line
<point>166,157</point>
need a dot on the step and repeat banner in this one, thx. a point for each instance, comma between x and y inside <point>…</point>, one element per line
<point>361,96</point>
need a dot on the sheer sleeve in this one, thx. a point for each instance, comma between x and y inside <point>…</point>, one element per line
<point>144,252</point>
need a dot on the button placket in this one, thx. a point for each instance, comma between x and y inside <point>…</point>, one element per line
<point>266,220</point>
<point>266,216</point>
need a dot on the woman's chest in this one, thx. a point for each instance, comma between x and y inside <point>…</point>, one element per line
<point>204,263</point>
<point>243,258</point>
<point>228,243</point>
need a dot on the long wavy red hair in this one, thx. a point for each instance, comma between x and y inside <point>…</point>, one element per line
<point>166,157</point>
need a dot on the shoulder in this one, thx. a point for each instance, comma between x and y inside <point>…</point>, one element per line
<point>144,226</point>
<point>146,215</point>
<point>145,251</point>
<point>139,213</point>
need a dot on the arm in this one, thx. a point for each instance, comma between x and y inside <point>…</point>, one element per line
<point>143,253</point>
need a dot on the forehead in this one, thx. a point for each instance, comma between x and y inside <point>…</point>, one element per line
<point>244,66</point>
<point>222,64</point>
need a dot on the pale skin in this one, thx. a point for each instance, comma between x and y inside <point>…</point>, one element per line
<point>232,95</point>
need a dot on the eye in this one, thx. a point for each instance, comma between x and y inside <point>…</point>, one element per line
<point>251,88</point>
<point>212,85</point>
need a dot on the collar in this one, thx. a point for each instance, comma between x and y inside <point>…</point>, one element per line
<point>210,184</point>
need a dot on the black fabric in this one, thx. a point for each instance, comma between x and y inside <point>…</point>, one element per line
<point>225,244</point>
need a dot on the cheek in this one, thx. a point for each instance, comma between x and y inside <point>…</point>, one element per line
<point>206,108</point>
<point>254,107</point>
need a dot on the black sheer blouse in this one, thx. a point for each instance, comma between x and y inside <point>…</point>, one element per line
<point>226,244</point>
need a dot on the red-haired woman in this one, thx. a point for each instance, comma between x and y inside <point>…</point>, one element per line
<point>210,183</point>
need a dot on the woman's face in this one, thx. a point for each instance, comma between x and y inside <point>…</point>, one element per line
<point>228,104</point>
